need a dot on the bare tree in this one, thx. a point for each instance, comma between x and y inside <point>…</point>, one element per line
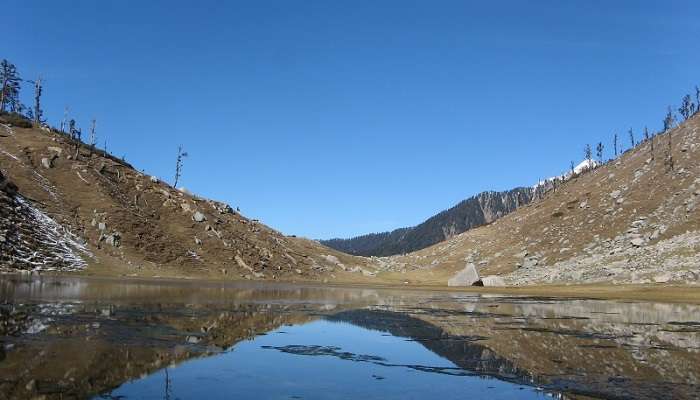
<point>38,112</point>
<point>64,121</point>
<point>93,136</point>
<point>646,134</point>
<point>178,165</point>
<point>572,168</point>
<point>651,147</point>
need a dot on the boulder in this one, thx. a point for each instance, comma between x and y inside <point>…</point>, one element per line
<point>7,186</point>
<point>637,242</point>
<point>199,217</point>
<point>493,280</point>
<point>466,277</point>
<point>662,278</point>
<point>46,163</point>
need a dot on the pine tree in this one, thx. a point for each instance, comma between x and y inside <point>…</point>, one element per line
<point>669,120</point>
<point>646,134</point>
<point>572,168</point>
<point>587,154</point>
<point>178,165</point>
<point>10,84</point>
<point>686,107</point>
<point>631,138</point>
<point>599,151</point>
<point>651,147</point>
<point>615,144</point>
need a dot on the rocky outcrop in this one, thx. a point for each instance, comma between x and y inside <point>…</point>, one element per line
<point>29,239</point>
<point>481,209</point>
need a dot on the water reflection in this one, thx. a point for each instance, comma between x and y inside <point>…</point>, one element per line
<point>64,337</point>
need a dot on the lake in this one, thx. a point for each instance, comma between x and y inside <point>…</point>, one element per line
<point>99,338</point>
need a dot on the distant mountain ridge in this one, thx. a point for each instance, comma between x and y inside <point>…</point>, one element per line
<point>477,210</point>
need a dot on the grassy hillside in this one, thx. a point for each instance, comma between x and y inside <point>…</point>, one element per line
<point>133,224</point>
<point>633,219</point>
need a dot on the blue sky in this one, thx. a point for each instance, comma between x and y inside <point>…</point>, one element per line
<point>337,118</point>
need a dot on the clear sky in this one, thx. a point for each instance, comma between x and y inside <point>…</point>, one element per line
<point>337,118</point>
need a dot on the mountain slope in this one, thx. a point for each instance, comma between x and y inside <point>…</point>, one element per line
<point>116,220</point>
<point>478,210</point>
<point>633,219</point>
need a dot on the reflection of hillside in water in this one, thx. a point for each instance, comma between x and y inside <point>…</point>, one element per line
<point>103,332</point>
<point>608,349</point>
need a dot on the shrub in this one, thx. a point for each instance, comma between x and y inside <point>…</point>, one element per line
<point>15,119</point>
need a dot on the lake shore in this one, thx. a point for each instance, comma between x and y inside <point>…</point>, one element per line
<point>666,293</point>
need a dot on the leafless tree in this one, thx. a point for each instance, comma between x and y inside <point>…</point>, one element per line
<point>93,136</point>
<point>38,112</point>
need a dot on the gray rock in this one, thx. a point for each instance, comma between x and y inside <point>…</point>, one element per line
<point>493,280</point>
<point>197,241</point>
<point>101,226</point>
<point>466,277</point>
<point>663,278</point>
<point>530,262</point>
<point>637,242</point>
<point>154,179</point>
<point>47,163</point>
<point>615,194</point>
<point>199,217</point>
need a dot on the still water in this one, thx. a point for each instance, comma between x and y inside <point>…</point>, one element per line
<point>113,339</point>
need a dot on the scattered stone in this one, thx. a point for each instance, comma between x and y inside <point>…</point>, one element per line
<point>47,163</point>
<point>637,242</point>
<point>664,278</point>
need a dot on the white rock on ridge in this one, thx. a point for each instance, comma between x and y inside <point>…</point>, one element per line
<point>466,277</point>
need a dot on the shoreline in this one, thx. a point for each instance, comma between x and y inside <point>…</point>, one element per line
<point>662,293</point>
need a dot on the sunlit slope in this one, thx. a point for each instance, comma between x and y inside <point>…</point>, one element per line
<point>633,219</point>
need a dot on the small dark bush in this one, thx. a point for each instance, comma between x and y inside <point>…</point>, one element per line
<point>15,119</point>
